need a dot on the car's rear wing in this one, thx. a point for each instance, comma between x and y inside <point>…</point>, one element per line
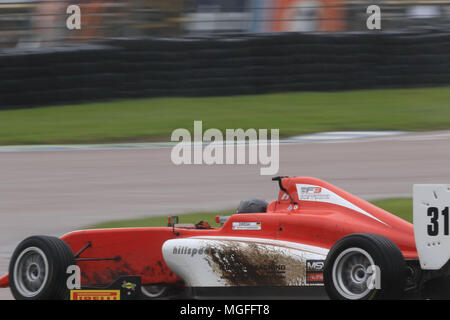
<point>431,212</point>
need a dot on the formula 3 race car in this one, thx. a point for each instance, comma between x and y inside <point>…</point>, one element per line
<point>314,241</point>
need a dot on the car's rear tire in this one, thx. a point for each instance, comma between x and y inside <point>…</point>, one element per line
<point>37,270</point>
<point>364,267</point>
<point>154,291</point>
<point>252,205</point>
<point>163,291</point>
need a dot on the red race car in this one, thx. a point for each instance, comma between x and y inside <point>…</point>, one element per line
<point>314,241</point>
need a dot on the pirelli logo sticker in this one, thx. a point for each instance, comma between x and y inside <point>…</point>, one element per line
<point>246,225</point>
<point>94,294</point>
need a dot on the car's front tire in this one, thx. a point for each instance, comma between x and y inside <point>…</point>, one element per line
<point>37,270</point>
<point>364,267</point>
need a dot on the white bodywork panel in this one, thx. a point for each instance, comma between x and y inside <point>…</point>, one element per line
<point>240,261</point>
<point>431,204</point>
<point>309,192</point>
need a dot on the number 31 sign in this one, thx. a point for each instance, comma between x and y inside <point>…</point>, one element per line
<point>431,224</point>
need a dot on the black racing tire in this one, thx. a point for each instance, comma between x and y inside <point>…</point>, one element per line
<point>157,291</point>
<point>38,267</point>
<point>346,271</point>
<point>252,205</point>
<point>164,291</point>
<point>154,292</point>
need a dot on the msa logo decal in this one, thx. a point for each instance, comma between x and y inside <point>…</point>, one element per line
<point>315,265</point>
<point>314,271</point>
<point>246,225</point>
<point>94,294</point>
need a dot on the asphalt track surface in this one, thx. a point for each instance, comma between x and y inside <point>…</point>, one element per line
<point>54,192</point>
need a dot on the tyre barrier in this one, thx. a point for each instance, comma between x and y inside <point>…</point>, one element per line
<point>223,65</point>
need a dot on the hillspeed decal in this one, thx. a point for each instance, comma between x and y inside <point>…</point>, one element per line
<point>308,192</point>
<point>94,294</point>
<point>246,225</point>
<point>192,251</point>
<point>220,262</point>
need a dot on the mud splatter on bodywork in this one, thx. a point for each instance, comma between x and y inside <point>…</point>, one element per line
<point>113,270</point>
<point>255,265</point>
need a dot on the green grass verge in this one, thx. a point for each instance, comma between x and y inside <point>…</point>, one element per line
<point>402,207</point>
<point>292,113</point>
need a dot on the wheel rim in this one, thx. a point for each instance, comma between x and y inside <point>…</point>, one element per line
<point>30,272</point>
<point>154,290</point>
<point>351,273</point>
